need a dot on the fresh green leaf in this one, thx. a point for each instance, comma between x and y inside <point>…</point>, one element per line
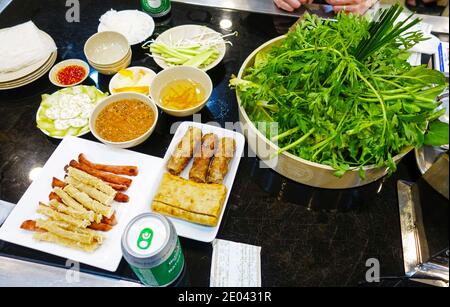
<point>437,134</point>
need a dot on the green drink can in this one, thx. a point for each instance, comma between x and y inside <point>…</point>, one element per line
<point>151,246</point>
<point>156,8</point>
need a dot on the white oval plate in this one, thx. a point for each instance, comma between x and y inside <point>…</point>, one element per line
<point>186,32</point>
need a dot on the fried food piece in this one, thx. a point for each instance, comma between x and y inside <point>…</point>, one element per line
<point>91,180</point>
<point>100,227</point>
<point>88,202</point>
<point>179,213</point>
<point>220,164</point>
<point>112,221</point>
<point>118,170</point>
<point>117,187</point>
<point>97,237</point>
<point>72,203</point>
<point>196,202</point>
<point>101,175</point>
<point>52,238</point>
<point>91,191</point>
<point>54,196</point>
<point>81,215</point>
<point>122,198</point>
<point>56,183</point>
<point>202,158</point>
<point>184,151</point>
<point>54,228</point>
<point>55,215</point>
<point>31,226</point>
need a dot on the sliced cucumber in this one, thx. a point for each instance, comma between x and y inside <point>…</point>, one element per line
<point>45,125</point>
<point>57,133</point>
<point>53,101</point>
<point>84,130</point>
<point>73,131</point>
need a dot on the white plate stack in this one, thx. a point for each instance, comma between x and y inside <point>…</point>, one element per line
<point>31,63</point>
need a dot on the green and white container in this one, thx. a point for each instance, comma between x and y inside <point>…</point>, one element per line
<point>156,8</point>
<point>151,246</point>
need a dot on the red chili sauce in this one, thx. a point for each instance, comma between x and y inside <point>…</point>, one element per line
<point>71,74</point>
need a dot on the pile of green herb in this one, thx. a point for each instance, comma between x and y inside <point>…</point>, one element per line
<point>343,93</point>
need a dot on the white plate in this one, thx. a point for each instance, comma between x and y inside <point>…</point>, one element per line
<point>134,70</point>
<point>32,77</point>
<point>24,72</point>
<point>180,33</point>
<point>109,255</point>
<point>191,230</point>
<point>149,31</point>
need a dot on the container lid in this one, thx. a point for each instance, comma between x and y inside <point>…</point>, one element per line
<point>146,240</point>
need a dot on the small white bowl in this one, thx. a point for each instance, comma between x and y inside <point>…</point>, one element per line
<point>113,69</point>
<point>107,48</point>
<point>126,58</point>
<point>134,70</point>
<point>181,73</point>
<point>114,98</point>
<point>54,71</point>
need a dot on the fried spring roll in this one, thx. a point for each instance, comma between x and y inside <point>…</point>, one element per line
<point>119,170</point>
<point>220,164</point>
<point>184,151</point>
<point>101,175</point>
<point>202,158</point>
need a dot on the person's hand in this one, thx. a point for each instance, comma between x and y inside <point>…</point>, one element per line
<point>352,6</point>
<point>290,5</point>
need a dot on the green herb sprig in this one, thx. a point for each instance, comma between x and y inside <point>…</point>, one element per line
<point>343,93</point>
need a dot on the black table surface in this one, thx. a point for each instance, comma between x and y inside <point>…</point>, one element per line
<point>309,236</point>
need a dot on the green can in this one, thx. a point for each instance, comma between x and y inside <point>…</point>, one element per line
<point>156,8</point>
<point>151,246</point>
